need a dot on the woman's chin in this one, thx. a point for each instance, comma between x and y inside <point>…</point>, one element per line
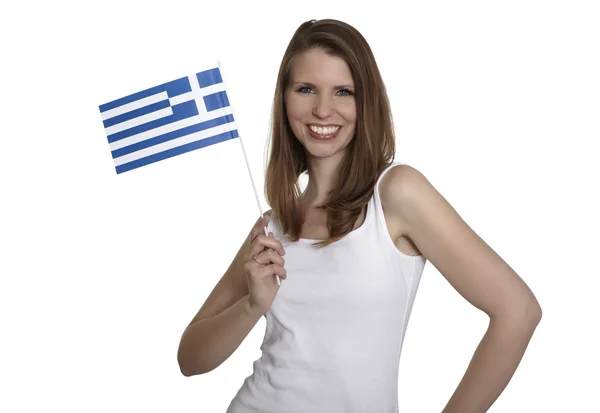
<point>321,152</point>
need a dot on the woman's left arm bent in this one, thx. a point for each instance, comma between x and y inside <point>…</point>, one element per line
<point>478,273</point>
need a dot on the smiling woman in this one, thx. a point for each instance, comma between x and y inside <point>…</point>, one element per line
<point>355,242</point>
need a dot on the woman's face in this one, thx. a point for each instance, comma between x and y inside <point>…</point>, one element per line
<point>320,103</point>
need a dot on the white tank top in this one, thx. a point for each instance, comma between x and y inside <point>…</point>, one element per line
<point>336,326</point>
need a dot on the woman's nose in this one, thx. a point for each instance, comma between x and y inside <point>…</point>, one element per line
<point>323,106</point>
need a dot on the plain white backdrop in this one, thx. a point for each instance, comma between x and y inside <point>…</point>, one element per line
<point>496,103</point>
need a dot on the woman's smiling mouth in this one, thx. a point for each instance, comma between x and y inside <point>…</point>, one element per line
<point>323,132</point>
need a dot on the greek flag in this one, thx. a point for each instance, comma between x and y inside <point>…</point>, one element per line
<point>168,120</point>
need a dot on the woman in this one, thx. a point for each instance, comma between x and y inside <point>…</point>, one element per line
<point>355,245</point>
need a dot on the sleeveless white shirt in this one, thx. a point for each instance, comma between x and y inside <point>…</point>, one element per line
<point>337,324</point>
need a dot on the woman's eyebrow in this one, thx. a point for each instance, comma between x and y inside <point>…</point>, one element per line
<point>335,87</point>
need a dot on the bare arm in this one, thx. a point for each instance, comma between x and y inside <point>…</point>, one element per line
<point>493,364</point>
<point>208,342</point>
<point>478,273</point>
<point>228,314</point>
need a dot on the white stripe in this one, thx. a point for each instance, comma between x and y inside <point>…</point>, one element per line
<point>174,143</point>
<point>140,120</point>
<point>197,92</point>
<point>119,110</point>
<point>169,128</point>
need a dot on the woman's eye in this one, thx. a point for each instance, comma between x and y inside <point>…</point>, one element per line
<point>342,92</point>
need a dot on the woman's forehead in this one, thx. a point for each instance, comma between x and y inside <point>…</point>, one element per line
<point>319,68</point>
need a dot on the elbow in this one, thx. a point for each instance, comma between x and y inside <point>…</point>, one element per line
<point>527,315</point>
<point>533,311</point>
<point>189,372</point>
<point>186,365</point>
<point>188,368</point>
<point>192,357</point>
<point>185,361</point>
<point>530,310</point>
<point>186,356</point>
<point>538,315</point>
<point>185,368</point>
<point>186,373</point>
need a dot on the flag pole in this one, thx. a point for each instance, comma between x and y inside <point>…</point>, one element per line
<point>244,151</point>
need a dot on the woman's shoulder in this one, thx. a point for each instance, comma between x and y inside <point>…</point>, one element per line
<point>398,180</point>
<point>396,189</point>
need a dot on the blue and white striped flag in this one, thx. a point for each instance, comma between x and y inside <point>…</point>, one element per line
<point>167,120</point>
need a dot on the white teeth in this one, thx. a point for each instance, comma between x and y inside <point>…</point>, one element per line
<point>324,131</point>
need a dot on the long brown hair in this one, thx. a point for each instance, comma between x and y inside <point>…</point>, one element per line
<point>371,150</point>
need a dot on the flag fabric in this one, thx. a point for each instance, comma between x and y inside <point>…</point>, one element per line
<point>168,120</point>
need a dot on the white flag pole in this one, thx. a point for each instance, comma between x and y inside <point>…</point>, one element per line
<point>244,150</point>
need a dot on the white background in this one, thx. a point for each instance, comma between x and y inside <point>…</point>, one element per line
<point>496,103</point>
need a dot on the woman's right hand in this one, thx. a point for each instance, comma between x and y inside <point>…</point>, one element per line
<point>262,278</point>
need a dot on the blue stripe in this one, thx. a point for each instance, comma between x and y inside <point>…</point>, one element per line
<point>216,101</point>
<point>209,77</point>
<point>172,135</point>
<point>137,112</point>
<point>181,111</point>
<point>177,151</point>
<point>173,88</point>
